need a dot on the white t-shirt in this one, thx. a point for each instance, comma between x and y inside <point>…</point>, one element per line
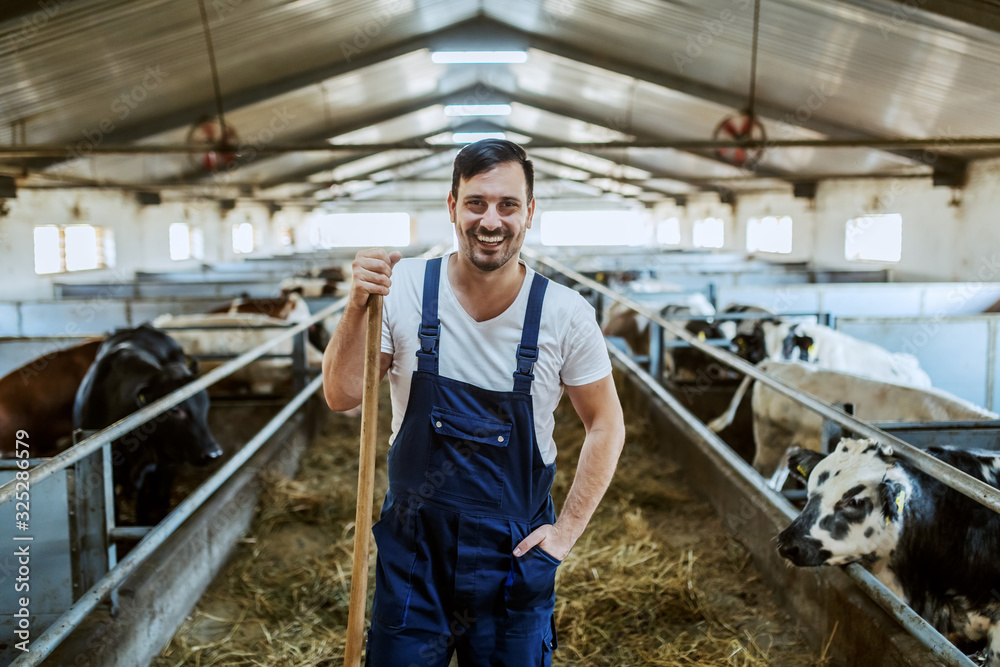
<point>571,348</point>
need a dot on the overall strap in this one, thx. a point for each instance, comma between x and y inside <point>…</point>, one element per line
<point>527,351</point>
<point>430,330</point>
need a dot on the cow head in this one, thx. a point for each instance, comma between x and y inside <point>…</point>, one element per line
<point>697,362</point>
<point>855,507</point>
<point>797,345</point>
<point>181,434</point>
<point>749,341</point>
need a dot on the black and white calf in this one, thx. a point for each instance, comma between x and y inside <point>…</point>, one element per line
<point>933,547</point>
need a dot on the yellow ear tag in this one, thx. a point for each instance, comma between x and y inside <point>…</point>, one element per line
<point>900,499</point>
<point>142,398</point>
<point>802,470</point>
<point>812,349</point>
<point>701,336</point>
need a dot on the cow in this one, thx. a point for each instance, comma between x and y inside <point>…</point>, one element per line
<point>830,349</point>
<point>679,363</point>
<point>780,422</point>
<point>38,398</point>
<point>317,282</point>
<point>932,546</point>
<point>746,333</point>
<point>133,368</point>
<point>821,347</point>
<point>242,332</point>
<point>290,306</point>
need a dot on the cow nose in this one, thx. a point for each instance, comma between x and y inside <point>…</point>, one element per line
<point>210,453</point>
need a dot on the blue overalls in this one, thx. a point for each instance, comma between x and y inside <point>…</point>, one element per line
<point>466,485</point>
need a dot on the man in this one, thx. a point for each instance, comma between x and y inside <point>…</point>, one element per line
<point>479,349</point>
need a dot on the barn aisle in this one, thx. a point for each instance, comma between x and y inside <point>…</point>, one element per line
<point>655,581</point>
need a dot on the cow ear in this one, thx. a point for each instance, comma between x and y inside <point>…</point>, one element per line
<point>802,461</point>
<point>893,497</point>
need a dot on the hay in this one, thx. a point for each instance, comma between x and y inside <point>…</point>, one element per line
<point>654,581</point>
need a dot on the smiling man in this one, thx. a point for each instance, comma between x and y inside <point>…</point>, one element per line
<point>479,349</point>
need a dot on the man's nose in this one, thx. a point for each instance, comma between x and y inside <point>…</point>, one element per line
<point>491,219</point>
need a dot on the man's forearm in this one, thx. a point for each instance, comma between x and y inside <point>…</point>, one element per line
<point>598,459</point>
<point>343,361</point>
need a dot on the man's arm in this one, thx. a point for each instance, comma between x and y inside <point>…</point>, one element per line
<point>344,357</point>
<point>601,412</point>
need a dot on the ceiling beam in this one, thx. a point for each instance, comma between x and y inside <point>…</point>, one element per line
<point>577,113</point>
<point>928,144</point>
<point>381,115</point>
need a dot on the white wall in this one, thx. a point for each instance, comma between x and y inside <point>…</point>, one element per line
<point>946,235</point>
<point>976,237</point>
<point>140,233</point>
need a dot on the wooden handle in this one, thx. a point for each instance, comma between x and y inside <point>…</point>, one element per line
<point>366,484</point>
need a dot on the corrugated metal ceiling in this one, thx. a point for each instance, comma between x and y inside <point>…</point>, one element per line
<point>103,72</point>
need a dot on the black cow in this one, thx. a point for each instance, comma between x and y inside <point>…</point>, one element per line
<point>133,368</point>
<point>747,334</point>
<point>687,363</point>
<point>933,547</point>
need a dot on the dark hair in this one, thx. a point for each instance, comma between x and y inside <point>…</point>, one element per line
<point>486,154</point>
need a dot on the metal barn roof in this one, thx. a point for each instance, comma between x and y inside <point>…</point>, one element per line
<point>329,100</point>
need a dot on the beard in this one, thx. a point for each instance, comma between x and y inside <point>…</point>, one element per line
<point>491,259</point>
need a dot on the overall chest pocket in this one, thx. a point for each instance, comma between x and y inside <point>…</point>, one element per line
<point>468,457</point>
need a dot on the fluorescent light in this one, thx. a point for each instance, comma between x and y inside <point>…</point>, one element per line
<point>477,110</point>
<point>471,137</point>
<point>479,57</point>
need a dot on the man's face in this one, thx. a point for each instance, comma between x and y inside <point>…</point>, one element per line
<point>492,215</point>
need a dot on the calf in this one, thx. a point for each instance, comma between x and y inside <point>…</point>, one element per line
<point>290,307</point>
<point>681,362</point>
<point>133,368</point>
<point>38,398</point>
<point>779,422</point>
<point>933,547</point>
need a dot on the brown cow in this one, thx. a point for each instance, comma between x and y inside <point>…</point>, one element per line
<point>279,307</point>
<point>290,306</point>
<point>38,398</point>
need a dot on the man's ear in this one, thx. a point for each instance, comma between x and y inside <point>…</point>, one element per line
<point>452,203</point>
<point>531,213</point>
<point>802,461</point>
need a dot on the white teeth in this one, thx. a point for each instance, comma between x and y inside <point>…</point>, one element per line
<point>489,239</point>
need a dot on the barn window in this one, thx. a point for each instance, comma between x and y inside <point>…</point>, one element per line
<point>594,228</point>
<point>242,237</point>
<point>769,234</point>
<point>61,248</point>
<point>875,238</point>
<point>668,232</point>
<point>353,230</point>
<point>185,242</point>
<point>709,233</point>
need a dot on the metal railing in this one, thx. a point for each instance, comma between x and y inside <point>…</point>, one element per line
<point>921,630</point>
<point>961,482</point>
<point>43,646</point>
<point>978,490</point>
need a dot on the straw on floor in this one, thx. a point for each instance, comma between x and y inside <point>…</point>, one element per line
<point>655,581</point>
